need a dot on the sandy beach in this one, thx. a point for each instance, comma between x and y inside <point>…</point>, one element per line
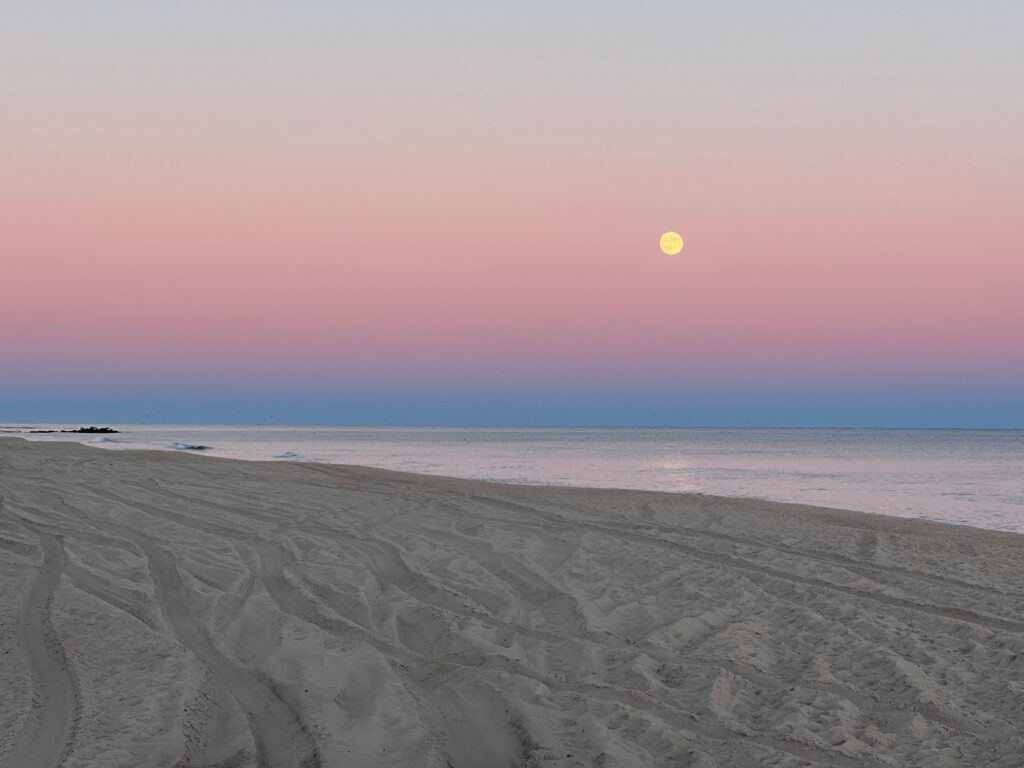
<point>161,609</point>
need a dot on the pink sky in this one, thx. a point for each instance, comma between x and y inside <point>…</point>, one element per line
<point>300,206</point>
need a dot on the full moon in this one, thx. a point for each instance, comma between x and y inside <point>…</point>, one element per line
<point>671,243</point>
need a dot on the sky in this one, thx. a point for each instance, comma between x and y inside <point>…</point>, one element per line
<point>389,213</point>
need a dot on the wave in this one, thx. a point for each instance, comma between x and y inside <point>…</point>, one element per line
<point>287,455</point>
<point>101,440</point>
<point>190,447</point>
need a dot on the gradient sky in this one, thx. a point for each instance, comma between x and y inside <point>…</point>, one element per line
<point>387,213</point>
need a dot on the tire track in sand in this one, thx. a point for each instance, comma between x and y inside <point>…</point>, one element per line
<point>45,741</point>
<point>740,564</point>
<point>281,741</point>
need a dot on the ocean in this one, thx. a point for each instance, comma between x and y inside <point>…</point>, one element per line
<point>970,477</point>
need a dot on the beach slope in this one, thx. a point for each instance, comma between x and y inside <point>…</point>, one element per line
<point>159,609</point>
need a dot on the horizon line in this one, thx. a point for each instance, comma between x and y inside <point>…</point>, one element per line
<point>29,425</point>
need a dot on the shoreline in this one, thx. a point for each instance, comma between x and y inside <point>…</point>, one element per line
<point>233,612</point>
<point>203,452</point>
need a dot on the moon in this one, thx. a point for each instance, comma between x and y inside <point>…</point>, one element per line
<point>671,243</point>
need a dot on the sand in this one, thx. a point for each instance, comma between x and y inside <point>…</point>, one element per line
<point>160,609</point>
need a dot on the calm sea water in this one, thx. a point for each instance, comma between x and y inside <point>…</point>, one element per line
<point>959,476</point>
